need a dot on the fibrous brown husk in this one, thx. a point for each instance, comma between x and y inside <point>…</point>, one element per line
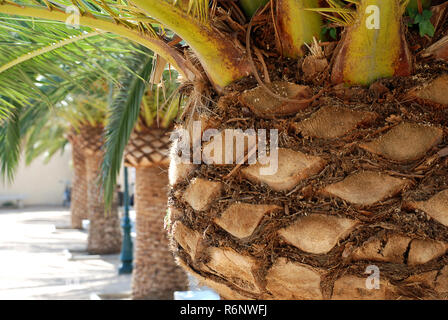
<point>385,223</point>
<point>155,275</point>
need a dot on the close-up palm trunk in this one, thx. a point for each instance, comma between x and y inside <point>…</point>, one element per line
<point>358,194</point>
<point>104,228</point>
<point>78,203</point>
<point>155,274</point>
<point>356,207</point>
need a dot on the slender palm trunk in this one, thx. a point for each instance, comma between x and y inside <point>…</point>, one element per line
<point>78,203</point>
<point>156,275</point>
<point>104,231</point>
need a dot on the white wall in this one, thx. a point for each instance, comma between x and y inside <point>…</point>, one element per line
<point>42,184</point>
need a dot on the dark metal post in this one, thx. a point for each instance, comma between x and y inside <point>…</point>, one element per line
<point>126,256</point>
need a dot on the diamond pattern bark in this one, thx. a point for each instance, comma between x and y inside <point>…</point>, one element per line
<point>148,147</point>
<point>264,105</point>
<point>91,139</point>
<point>317,233</point>
<point>228,262</point>
<point>406,142</point>
<point>241,219</point>
<point>436,207</point>
<point>366,188</point>
<point>433,93</point>
<point>201,193</point>
<point>292,167</point>
<point>389,248</point>
<point>355,288</point>
<point>333,122</point>
<point>348,188</point>
<point>302,282</point>
<point>156,274</point>
<point>104,229</point>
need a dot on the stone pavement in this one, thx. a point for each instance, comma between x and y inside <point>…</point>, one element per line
<point>33,264</point>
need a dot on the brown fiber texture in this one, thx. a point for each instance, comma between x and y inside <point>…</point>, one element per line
<point>376,199</point>
<point>78,203</point>
<point>104,230</point>
<point>156,275</point>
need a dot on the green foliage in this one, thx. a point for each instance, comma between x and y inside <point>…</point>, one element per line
<point>123,115</point>
<point>119,11</point>
<point>251,6</point>
<point>138,103</point>
<point>328,31</point>
<point>423,21</point>
<point>36,53</point>
<point>159,104</point>
<point>10,145</point>
<point>38,130</point>
<point>413,4</point>
<point>197,8</point>
<point>47,89</point>
<point>52,139</point>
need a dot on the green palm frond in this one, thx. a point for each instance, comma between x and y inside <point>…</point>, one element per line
<point>123,115</point>
<point>85,108</point>
<point>343,13</point>
<point>161,103</point>
<point>122,12</point>
<point>197,8</point>
<point>338,12</point>
<point>45,134</point>
<point>33,129</point>
<point>149,23</point>
<point>53,79</point>
<point>49,141</point>
<point>138,103</point>
<point>44,50</point>
<point>32,50</point>
<point>119,12</point>
<point>10,143</point>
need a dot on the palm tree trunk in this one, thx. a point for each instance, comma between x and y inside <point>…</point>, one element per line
<point>104,231</point>
<point>78,204</point>
<point>329,222</point>
<point>156,275</point>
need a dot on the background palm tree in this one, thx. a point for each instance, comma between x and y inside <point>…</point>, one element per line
<point>104,229</point>
<point>62,89</point>
<point>359,173</point>
<point>46,137</point>
<point>83,116</point>
<point>80,117</point>
<point>78,205</point>
<point>44,67</point>
<point>155,274</point>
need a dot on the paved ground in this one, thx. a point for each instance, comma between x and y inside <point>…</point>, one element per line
<point>33,264</point>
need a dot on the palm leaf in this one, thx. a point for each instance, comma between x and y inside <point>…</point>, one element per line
<point>123,116</point>
<point>67,84</point>
<point>10,145</point>
<point>43,48</point>
<point>190,20</point>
